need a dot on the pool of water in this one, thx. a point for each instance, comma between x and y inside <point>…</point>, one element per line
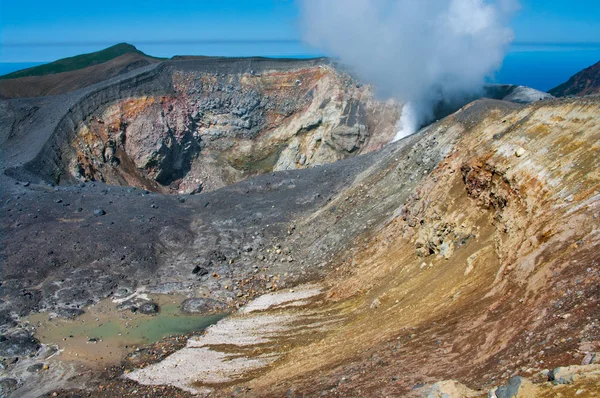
<point>105,335</point>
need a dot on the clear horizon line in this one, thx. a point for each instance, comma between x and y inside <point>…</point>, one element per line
<point>232,41</point>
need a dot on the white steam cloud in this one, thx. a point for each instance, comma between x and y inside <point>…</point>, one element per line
<point>423,52</point>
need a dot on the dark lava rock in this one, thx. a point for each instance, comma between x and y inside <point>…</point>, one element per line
<point>36,367</point>
<point>215,257</point>
<point>200,271</point>
<point>197,190</point>
<point>6,320</point>
<point>202,305</point>
<point>19,346</point>
<point>7,386</point>
<point>99,212</point>
<point>148,308</point>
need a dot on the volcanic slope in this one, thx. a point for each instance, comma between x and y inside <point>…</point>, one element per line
<point>467,251</point>
<point>73,73</point>
<point>582,83</point>
<point>477,260</point>
<point>188,125</point>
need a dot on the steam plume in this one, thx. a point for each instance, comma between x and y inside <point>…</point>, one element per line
<point>426,53</point>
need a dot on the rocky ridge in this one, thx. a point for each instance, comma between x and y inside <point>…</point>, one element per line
<point>203,124</point>
<point>583,83</point>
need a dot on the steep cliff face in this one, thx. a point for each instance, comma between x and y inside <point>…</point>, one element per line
<point>218,128</point>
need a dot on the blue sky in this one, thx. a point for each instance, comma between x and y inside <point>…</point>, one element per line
<point>558,21</point>
<point>45,30</point>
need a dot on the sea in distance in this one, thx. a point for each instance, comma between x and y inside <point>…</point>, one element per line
<point>538,65</point>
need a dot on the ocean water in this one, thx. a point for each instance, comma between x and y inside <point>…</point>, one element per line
<point>545,66</point>
<point>541,66</point>
<point>8,67</point>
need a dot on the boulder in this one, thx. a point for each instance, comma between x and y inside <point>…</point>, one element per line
<point>348,138</point>
<point>36,367</point>
<point>148,308</point>
<point>202,305</point>
<point>569,374</point>
<point>99,212</point>
<point>200,271</point>
<point>447,389</point>
<point>141,306</point>
<point>516,387</point>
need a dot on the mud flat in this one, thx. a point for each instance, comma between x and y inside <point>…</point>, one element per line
<point>105,335</point>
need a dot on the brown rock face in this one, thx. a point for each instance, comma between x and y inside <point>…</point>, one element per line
<point>583,83</point>
<point>217,129</point>
<point>60,83</point>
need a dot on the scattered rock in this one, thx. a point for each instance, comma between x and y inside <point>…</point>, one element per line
<point>196,190</point>
<point>217,256</point>
<point>517,386</point>
<point>447,389</point>
<point>99,212</point>
<point>520,152</point>
<point>149,308</point>
<point>202,305</point>
<point>590,358</point>
<point>200,271</point>
<point>375,304</point>
<point>569,374</point>
<point>36,367</point>
<point>7,386</point>
<point>302,160</point>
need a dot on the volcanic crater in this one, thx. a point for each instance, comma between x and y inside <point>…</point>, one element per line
<point>461,258</point>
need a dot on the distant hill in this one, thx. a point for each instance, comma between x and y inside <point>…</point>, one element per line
<point>583,83</point>
<point>72,73</point>
<point>76,62</point>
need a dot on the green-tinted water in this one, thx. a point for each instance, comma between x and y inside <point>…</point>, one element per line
<point>114,333</point>
<point>143,328</point>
